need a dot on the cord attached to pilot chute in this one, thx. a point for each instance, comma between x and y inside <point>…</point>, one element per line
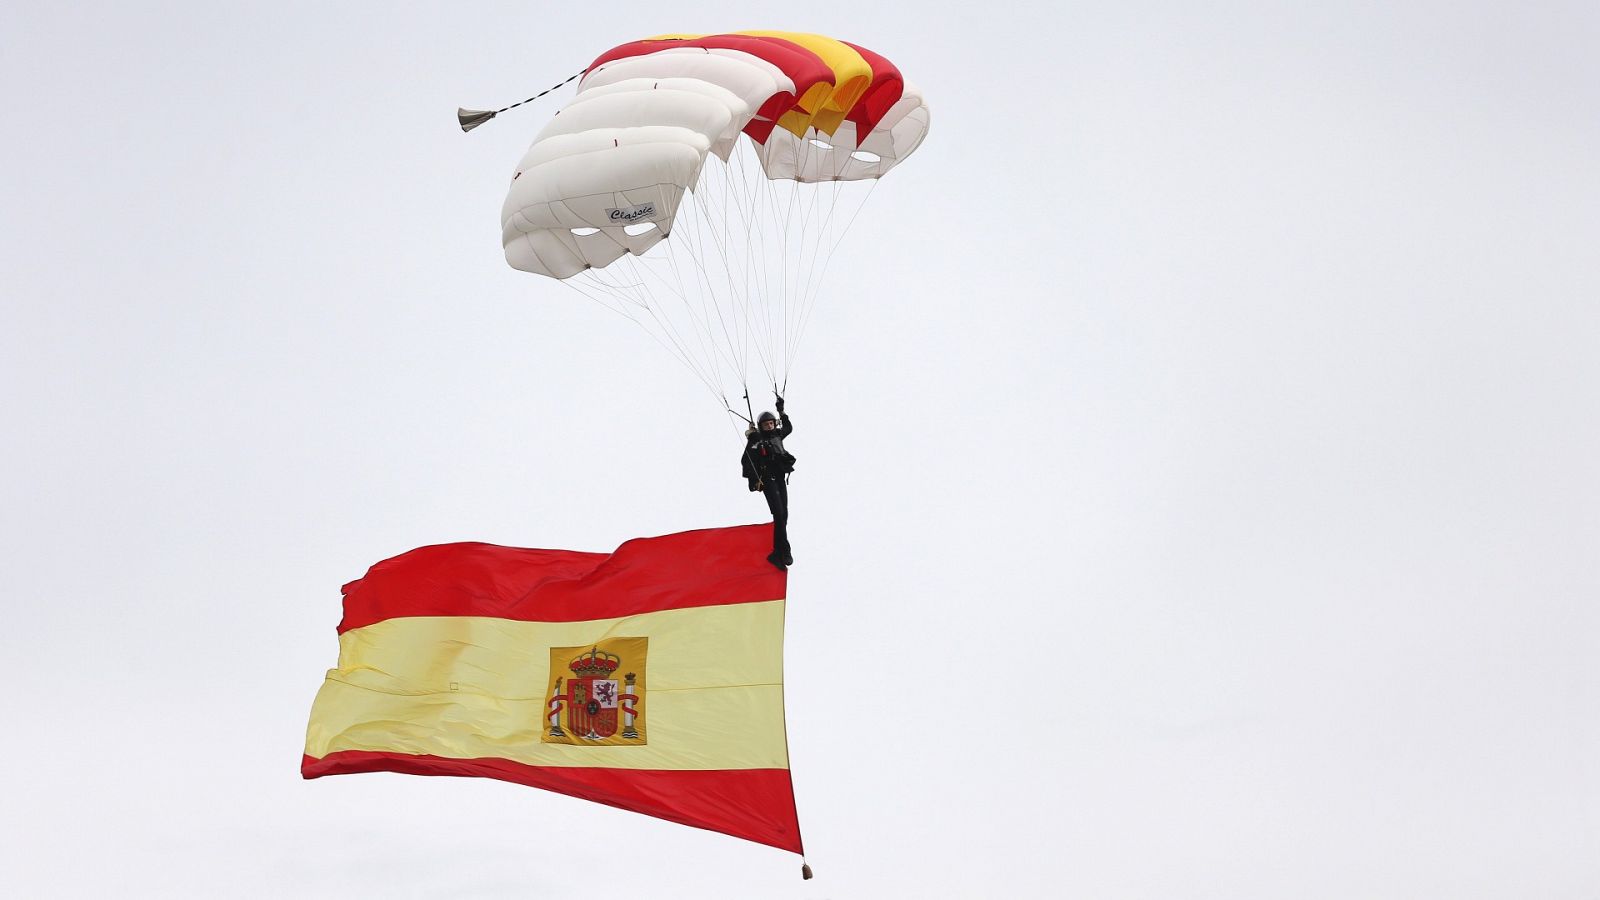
<point>472,118</point>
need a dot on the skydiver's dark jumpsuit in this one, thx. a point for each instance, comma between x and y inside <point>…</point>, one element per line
<point>767,463</point>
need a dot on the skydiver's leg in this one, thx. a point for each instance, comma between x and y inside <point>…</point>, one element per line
<point>771,495</point>
<point>780,519</point>
<point>783,496</point>
<point>777,503</point>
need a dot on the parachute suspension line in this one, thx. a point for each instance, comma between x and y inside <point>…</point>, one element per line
<point>621,310</point>
<point>757,324</point>
<point>807,246</point>
<point>665,325</point>
<point>750,303</point>
<point>736,184</point>
<point>828,260</point>
<point>785,199</point>
<point>813,285</point>
<point>722,253</point>
<point>709,351</point>
<point>677,273</point>
<point>707,357</point>
<point>804,290</point>
<point>700,303</point>
<point>753,252</point>
<point>755,282</point>
<point>781,240</point>
<point>788,217</point>
<point>785,196</point>
<point>763,202</point>
<point>708,294</point>
<point>819,223</point>
<point>640,268</point>
<point>736,268</point>
<point>676,348</point>
<point>803,271</point>
<point>681,291</point>
<point>739,282</point>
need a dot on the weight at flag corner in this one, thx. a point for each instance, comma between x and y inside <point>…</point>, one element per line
<point>649,679</point>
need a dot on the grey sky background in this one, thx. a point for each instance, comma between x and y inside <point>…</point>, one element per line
<point>1197,497</point>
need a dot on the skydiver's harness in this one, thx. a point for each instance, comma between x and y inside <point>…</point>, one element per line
<point>770,452</point>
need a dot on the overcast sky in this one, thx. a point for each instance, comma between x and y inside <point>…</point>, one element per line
<point>1198,492</point>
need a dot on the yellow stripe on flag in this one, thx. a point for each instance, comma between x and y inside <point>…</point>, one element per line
<point>470,687</point>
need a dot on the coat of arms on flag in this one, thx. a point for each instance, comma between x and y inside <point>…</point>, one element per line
<point>596,694</point>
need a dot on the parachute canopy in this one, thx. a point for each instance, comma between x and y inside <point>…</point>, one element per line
<point>787,119</point>
<point>605,177</point>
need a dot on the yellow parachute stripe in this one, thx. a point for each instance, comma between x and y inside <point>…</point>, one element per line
<point>852,75</point>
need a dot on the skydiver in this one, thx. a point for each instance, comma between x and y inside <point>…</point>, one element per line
<point>766,469</point>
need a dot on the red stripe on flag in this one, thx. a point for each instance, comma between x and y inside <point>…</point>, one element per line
<point>708,567</point>
<point>754,804</point>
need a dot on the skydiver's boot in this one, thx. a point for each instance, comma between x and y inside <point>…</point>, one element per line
<point>788,558</point>
<point>777,559</point>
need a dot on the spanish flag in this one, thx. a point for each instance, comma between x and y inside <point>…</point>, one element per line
<point>649,679</point>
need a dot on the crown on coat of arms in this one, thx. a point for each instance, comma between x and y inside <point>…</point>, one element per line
<point>595,662</point>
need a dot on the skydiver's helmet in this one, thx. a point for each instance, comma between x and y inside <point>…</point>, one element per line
<point>764,418</point>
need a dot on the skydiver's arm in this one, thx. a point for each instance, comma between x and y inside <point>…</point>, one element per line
<point>788,426</point>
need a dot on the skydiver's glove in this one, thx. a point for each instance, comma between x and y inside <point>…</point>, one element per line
<point>780,404</point>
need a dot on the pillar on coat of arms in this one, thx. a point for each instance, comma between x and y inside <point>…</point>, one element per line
<point>628,731</point>
<point>555,712</point>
